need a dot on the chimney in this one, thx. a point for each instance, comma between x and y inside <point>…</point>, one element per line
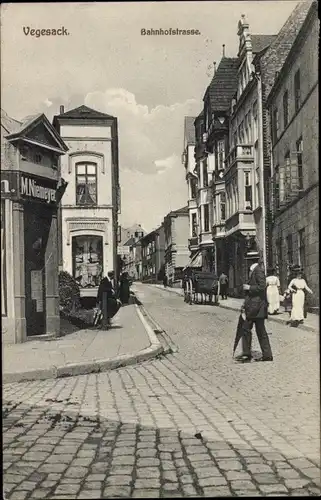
<point>223,49</point>
<point>214,67</point>
<point>62,110</point>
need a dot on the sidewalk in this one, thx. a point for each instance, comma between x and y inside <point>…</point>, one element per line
<point>311,324</point>
<point>130,340</point>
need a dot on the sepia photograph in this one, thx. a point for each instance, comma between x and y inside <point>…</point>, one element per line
<point>160,249</point>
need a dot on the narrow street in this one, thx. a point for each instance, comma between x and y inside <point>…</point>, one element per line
<point>193,423</point>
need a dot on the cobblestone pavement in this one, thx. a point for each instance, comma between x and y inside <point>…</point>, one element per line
<point>189,424</point>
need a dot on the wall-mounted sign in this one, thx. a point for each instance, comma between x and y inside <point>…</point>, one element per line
<point>9,184</point>
<point>32,188</point>
<point>19,185</point>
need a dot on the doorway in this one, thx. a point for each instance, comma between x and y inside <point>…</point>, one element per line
<point>37,220</point>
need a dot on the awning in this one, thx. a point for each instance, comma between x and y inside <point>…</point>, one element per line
<point>195,261</point>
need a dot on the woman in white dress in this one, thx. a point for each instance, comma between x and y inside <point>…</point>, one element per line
<point>297,287</point>
<point>272,291</point>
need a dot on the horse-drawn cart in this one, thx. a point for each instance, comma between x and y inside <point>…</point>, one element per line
<point>200,285</point>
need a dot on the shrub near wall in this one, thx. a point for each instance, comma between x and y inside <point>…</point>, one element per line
<point>69,293</point>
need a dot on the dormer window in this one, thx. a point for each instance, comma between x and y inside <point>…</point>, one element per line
<point>24,150</point>
<point>38,158</point>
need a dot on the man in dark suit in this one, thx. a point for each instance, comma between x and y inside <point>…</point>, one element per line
<point>255,309</point>
<point>106,299</point>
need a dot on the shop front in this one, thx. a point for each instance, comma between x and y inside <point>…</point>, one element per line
<point>29,257</point>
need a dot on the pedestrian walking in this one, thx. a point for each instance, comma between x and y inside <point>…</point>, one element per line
<point>298,286</point>
<point>273,291</point>
<point>255,310</point>
<point>223,285</point>
<point>106,299</point>
<point>124,288</point>
<point>165,280</point>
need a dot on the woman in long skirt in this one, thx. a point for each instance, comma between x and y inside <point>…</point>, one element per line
<point>273,292</point>
<point>297,287</point>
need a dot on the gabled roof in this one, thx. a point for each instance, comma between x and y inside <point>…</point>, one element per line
<point>189,130</point>
<point>183,210</point>
<point>9,124</point>
<point>261,42</point>
<point>129,242</point>
<point>273,59</point>
<point>224,84</point>
<point>25,132</point>
<point>84,112</point>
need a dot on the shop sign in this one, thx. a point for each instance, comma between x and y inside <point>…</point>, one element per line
<point>9,184</point>
<point>34,188</point>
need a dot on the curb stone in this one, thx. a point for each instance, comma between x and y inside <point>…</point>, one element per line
<point>97,365</point>
<point>157,330</point>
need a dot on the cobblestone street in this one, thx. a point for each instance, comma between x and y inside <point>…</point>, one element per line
<point>192,423</point>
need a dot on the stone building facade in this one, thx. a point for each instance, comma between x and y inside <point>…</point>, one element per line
<point>293,109</point>
<point>89,211</point>
<point>176,232</point>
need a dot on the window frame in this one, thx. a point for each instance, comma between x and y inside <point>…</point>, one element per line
<point>297,90</point>
<point>285,108</point>
<point>86,175</point>
<point>206,212</point>
<point>289,248</point>
<point>299,157</point>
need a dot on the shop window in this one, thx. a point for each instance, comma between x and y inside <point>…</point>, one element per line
<point>87,253</point>
<point>86,184</point>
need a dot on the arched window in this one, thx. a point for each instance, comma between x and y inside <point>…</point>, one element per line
<point>86,183</point>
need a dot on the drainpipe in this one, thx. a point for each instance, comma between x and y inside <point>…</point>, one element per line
<point>261,163</point>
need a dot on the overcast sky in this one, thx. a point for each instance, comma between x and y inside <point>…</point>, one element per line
<point>149,82</point>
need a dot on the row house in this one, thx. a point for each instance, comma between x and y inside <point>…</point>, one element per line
<point>188,161</point>
<point>217,112</point>
<point>129,250</point>
<point>233,160</point>
<point>244,171</point>
<point>152,255</point>
<point>293,109</point>
<point>176,233</point>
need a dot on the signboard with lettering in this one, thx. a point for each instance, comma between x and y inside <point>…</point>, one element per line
<point>37,188</point>
<point>20,185</point>
<point>9,184</point>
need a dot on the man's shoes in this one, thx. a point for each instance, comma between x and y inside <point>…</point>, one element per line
<point>264,359</point>
<point>243,359</point>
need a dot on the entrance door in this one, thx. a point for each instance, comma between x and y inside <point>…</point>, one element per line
<point>37,225</point>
